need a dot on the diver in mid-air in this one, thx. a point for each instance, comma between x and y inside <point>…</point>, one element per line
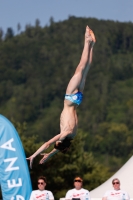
<point>73,98</point>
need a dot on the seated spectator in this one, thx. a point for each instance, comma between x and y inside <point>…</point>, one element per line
<point>78,192</point>
<point>41,193</point>
<point>116,193</point>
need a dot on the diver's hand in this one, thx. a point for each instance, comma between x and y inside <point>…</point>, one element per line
<point>46,156</point>
<point>31,158</point>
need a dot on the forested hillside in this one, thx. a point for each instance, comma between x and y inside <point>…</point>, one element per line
<point>35,67</point>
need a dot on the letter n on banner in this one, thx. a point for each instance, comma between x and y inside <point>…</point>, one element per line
<point>14,173</point>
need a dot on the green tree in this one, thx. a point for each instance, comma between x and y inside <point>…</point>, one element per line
<point>9,33</point>
<point>1,34</point>
<point>37,23</point>
<point>18,27</point>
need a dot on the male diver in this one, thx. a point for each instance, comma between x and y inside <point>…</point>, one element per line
<point>73,98</point>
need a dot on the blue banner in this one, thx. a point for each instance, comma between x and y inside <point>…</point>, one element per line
<point>14,173</point>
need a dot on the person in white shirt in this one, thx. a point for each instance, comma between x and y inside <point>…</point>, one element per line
<point>78,192</point>
<point>41,193</point>
<point>116,193</point>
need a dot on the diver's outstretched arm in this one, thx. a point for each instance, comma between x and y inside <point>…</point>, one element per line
<point>42,148</point>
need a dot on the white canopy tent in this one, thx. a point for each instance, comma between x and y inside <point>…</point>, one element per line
<point>124,174</point>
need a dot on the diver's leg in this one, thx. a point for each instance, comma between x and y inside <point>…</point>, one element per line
<point>82,83</point>
<point>77,82</point>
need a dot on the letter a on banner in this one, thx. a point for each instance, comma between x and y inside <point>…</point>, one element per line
<point>14,173</point>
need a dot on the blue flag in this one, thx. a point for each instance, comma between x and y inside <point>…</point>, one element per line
<point>14,173</point>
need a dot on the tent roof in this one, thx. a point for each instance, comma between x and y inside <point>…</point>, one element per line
<point>124,174</point>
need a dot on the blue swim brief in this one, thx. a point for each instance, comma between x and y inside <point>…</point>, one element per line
<point>75,98</point>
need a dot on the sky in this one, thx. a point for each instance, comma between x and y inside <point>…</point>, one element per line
<point>25,12</point>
